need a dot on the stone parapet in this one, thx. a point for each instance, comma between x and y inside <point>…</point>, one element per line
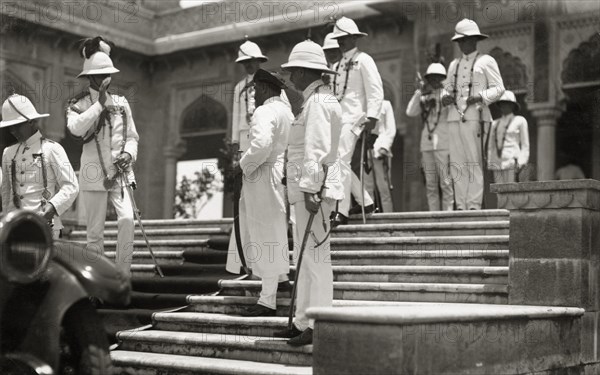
<point>446,339</point>
<point>554,242</point>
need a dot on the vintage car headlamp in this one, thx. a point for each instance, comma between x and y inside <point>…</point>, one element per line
<point>25,246</point>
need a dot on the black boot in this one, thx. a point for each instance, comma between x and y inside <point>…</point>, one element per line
<point>357,210</point>
<point>338,220</point>
<point>288,333</point>
<point>305,338</point>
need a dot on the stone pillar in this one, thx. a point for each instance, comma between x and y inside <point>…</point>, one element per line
<point>595,110</point>
<point>546,117</point>
<point>554,242</point>
<point>172,154</point>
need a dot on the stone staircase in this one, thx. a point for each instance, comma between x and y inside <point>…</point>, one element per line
<point>394,260</point>
<point>191,253</point>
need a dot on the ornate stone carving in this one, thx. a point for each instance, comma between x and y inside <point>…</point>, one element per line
<point>582,63</point>
<point>205,113</point>
<point>549,195</point>
<point>514,72</point>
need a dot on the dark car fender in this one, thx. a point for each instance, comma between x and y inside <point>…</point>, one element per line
<point>98,276</point>
<point>42,335</point>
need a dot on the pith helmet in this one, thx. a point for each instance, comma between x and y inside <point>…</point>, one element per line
<point>96,54</point>
<point>308,54</point>
<point>250,50</point>
<point>330,42</point>
<point>467,27</point>
<point>436,68</point>
<point>17,109</point>
<point>345,26</point>
<point>98,63</point>
<point>510,97</point>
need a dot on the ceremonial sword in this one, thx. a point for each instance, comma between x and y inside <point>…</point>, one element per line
<point>129,189</point>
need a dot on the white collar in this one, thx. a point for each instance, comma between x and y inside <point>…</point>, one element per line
<point>470,56</point>
<point>35,138</point>
<point>348,54</point>
<point>272,99</point>
<point>310,88</point>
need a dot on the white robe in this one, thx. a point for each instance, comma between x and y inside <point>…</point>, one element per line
<point>263,224</point>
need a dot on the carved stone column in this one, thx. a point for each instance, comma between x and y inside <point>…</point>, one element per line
<point>546,117</point>
<point>172,153</point>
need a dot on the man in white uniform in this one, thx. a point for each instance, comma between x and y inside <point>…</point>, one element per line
<point>359,90</point>
<point>333,54</point>
<point>427,102</point>
<point>314,183</point>
<point>473,83</point>
<point>263,206</point>
<point>509,141</point>
<point>36,172</point>
<point>105,123</point>
<point>244,104</point>
<point>251,57</point>
<point>378,178</point>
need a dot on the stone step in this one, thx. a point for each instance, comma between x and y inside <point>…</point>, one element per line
<point>164,258</point>
<point>159,245</point>
<point>422,274</point>
<point>387,291</point>
<point>218,323</point>
<point>421,257</point>
<point>214,345</point>
<point>233,305</point>
<point>135,363</point>
<point>475,228</point>
<point>385,273</point>
<point>371,229</point>
<point>395,217</point>
<point>499,242</point>
<point>149,269</point>
<point>173,223</point>
<point>354,243</point>
<point>161,233</point>
<point>432,216</point>
<point>175,257</point>
<point>180,284</point>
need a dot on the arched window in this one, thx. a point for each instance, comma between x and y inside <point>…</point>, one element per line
<point>204,116</point>
<point>203,128</point>
<point>514,72</point>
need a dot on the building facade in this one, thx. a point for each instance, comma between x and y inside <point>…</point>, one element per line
<point>177,71</point>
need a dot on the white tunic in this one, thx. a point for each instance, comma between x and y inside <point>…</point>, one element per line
<point>82,118</point>
<point>385,129</point>
<point>435,137</point>
<point>486,82</point>
<point>243,109</point>
<point>61,179</point>
<point>364,88</point>
<point>516,142</point>
<point>264,238</point>
<point>314,140</point>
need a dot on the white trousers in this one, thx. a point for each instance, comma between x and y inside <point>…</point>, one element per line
<point>268,292</point>
<point>466,164</point>
<point>437,177</point>
<point>379,176</point>
<point>315,281</point>
<point>350,181</point>
<point>94,204</point>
